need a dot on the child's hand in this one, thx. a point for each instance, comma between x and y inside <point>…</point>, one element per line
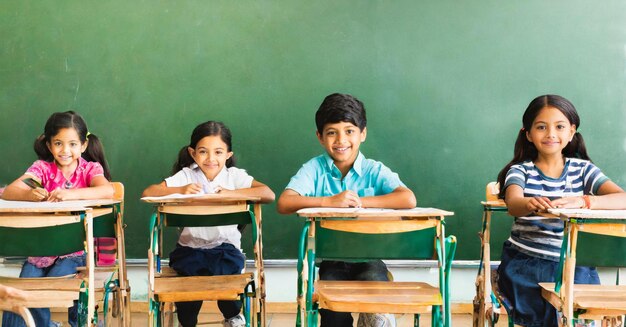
<point>345,199</point>
<point>539,203</point>
<point>38,194</point>
<point>59,194</point>
<point>194,188</point>
<point>571,202</point>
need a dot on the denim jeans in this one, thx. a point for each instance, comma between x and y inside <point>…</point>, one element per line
<point>61,267</point>
<point>374,270</point>
<point>519,275</point>
<point>224,259</point>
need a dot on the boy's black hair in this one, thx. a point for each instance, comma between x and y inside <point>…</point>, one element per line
<point>339,107</point>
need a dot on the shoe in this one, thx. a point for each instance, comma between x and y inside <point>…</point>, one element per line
<point>236,321</point>
<point>376,320</point>
<point>55,323</point>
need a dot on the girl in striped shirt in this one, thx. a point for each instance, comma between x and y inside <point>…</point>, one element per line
<point>550,169</point>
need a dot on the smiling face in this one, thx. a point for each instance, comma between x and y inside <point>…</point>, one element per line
<point>342,141</point>
<point>210,154</point>
<point>550,132</point>
<point>66,148</point>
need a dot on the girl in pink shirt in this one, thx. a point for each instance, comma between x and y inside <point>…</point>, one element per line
<point>71,166</point>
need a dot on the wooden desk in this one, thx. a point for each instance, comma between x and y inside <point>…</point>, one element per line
<point>366,221</point>
<point>164,289</point>
<point>23,214</point>
<point>599,301</point>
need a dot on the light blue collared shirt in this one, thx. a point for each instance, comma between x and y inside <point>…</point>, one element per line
<point>320,177</point>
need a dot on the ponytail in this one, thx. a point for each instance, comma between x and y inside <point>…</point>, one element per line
<point>41,149</point>
<point>95,152</point>
<point>184,160</point>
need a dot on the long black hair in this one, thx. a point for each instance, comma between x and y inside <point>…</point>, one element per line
<point>526,150</point>
<point>71,119</point>
<point>209,128</point>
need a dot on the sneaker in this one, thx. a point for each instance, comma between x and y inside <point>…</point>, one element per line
<point>236,321</point>
<point>376,320</point>
<point>55,323</point>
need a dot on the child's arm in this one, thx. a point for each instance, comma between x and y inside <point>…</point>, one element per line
<point>19,191</point>
<point>100,188</point>
<point>400,198</point>
<point>162,189</point>
<point>519,206</point>
<point>610,196</point>
<point>256,189</point>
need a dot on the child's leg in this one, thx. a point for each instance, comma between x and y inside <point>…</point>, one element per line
<point>335,270</point>
<point>40,316</point>
<point>64,267</point>
<point>187,313</point>
<point>229,309</point>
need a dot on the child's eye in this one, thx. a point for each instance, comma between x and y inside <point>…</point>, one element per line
<point>330,133</point>
<point>350,131</point>
<point>219,153</point>
<point>57,143</point>
<point>541,128</point>
<point>560,126</point>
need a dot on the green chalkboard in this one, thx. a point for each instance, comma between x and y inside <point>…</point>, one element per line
<point>444,82</point>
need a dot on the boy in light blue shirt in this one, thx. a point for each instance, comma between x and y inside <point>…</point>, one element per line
<point>343,177</point>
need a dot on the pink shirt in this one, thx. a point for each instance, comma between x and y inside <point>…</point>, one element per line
<point>52,178</point>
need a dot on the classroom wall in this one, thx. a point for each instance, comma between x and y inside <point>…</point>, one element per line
<point>444,82</point>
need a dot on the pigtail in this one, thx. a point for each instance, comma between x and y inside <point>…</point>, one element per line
<point>95,152</point>
<point>230,162</point>
<point>576,148</point>
<point>184,160</point>
<point>41,149</point>
<point>524,150</point>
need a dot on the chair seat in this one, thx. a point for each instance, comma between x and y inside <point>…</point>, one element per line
<point>45,292</point>
<point>205,288</point>
<point>595,299</point>
<point>375,297</point>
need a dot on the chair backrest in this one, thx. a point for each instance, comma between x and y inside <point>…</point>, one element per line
<point>104,226</point>
<point>492,191</point>
<point>600,250</point>
<point>42,241</point>
<point>332,244</point>
<point>223,219</point>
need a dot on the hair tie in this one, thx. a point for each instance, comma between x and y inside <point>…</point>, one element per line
<point>87,136</point>
<point>522,129</point>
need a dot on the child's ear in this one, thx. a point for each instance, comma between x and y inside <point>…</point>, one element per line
<point>191,151</point>
<point>228,155</point>
<point>84,146</point>
<point>319,136</point>
<point>573,132</point>
<point>528,137</point>
<point>363,134</point>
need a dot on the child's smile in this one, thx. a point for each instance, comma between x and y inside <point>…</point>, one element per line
<point>342,141</point>
<point>210,154</point>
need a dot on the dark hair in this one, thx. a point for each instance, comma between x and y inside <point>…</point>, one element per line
<point>339,107</point>
<point>209,128</point>
<point>71,119</point>
<point>526,150</point>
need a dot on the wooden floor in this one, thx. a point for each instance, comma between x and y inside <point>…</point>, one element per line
<point>288,320</point>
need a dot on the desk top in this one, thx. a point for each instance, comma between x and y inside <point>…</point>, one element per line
<point>589,214</point>
<point>198,198</point>
<point>371,212</point>
<point>43,207</point>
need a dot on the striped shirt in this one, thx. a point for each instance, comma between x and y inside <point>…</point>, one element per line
<point>542,237</point>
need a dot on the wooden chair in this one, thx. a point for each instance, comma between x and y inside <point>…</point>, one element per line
<point>166,287</point>
<point>600,243</point>
<point>488,302</point>
<point>10,299</point>
<point>37,230</point>
<point>353,236</point>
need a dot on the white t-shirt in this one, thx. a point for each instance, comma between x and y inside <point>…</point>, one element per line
<point>209,237</point>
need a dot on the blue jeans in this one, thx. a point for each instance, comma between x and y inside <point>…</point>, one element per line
<point>61,267</point>
<point>224,259</point>
<point>374,270</point>
<point>519,275</point>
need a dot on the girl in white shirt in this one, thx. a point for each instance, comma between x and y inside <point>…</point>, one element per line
<point>206,166</point>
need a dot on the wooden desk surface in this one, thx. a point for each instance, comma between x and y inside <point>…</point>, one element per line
<point>589,214</point>
<point>371,213</point>
<point>48,207</point>
<point>198,199</point>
